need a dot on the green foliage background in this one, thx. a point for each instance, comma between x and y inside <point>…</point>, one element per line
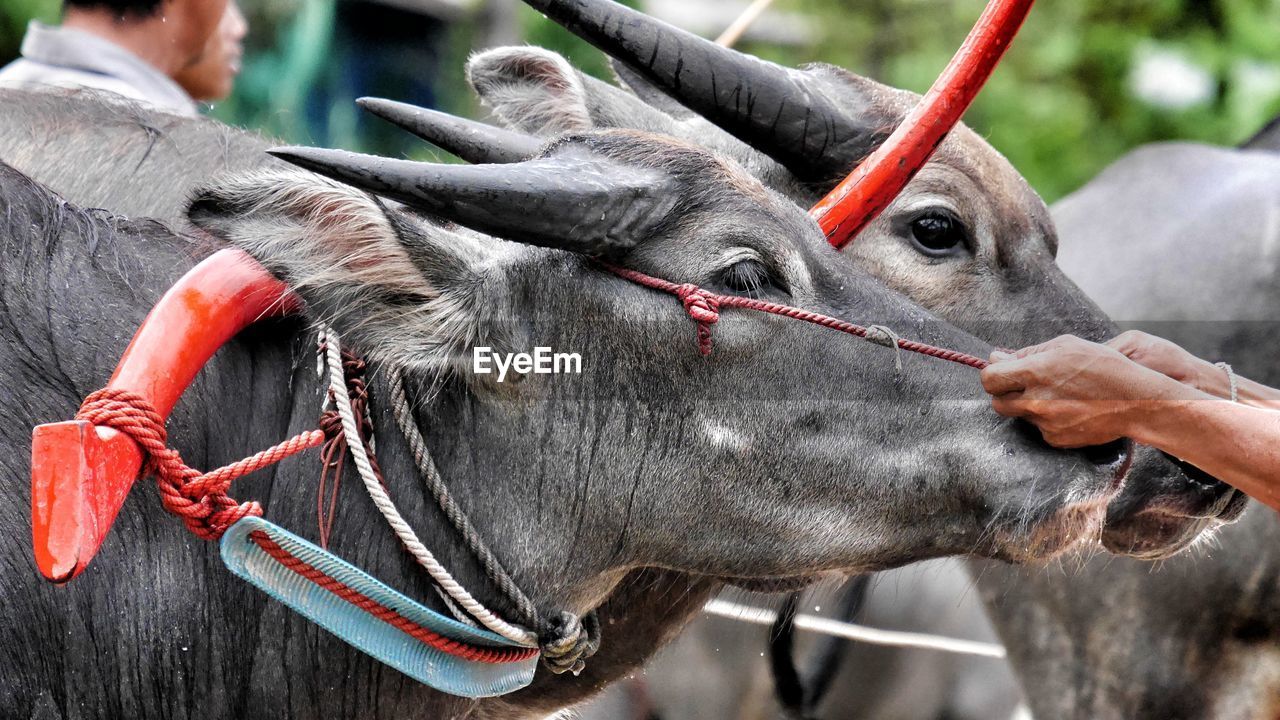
<point>1060,107</point>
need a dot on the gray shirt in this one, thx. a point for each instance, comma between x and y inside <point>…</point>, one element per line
<point>63,57</point>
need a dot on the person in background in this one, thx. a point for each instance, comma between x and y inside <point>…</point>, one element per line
<point>213,76</point>
<point>133,48</point>
<point>1151,390</point>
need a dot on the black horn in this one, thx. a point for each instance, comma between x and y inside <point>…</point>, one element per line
<point>766,106</point>
<point>472,141</point>
<point>570,200</point>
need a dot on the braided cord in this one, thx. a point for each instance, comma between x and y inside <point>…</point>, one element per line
<point>385,506</point>
<point>199,499</point>
<point>703,306</point>
<point>475,653</point>
<point>566,639</point>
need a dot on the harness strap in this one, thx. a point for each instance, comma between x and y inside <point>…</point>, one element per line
<point>703,307</point>
<point>389,615</point>
<point>565,639</point>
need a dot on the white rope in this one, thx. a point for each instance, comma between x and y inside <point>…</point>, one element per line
<point>338,386</point>
<point>861,633</point>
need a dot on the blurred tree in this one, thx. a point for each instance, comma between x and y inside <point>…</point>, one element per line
<point>1085,80</point>
<point>14,15</point>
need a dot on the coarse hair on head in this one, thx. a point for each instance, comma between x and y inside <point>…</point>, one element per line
<point>120,8</point>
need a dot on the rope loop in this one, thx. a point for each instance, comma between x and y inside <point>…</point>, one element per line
<point>568,641</point>
<point>199,499</point>
<point>884,335</point>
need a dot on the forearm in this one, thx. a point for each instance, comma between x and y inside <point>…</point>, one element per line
<point>1215,381</point>
<point>1235,443</point>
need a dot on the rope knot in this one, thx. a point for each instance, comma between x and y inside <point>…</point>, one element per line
<point>199,499</point>
<point>704,308</point>
<point>884,335</point>
<point>570,641</point>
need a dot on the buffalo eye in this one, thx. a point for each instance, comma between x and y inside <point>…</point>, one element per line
<point>748,277</point>
<point>938,234</point>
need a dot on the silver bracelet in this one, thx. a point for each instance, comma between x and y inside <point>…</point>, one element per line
<point>1231,378</point>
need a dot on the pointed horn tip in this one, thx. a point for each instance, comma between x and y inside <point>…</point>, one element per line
<point>375,104</point>
<point>396,112</point>
<point>315,159</point>
<point>285,152</point>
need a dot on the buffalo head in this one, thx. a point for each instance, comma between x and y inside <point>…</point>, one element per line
<point>790,451</point>
<point>967,238</point>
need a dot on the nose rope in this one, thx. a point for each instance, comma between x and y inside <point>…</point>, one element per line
<point>704,306</point>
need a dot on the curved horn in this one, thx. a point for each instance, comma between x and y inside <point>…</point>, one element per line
<point>472,141</point>
<point>869,189</point>
<point>764,105</point>
<point>80,472</point>
<point>571,200</point>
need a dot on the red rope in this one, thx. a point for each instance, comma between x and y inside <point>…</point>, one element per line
<point>704,307</point>
<point>391,617</point>
<point>200,499</point>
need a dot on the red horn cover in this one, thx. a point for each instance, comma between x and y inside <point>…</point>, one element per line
<point>869,189</point>
<point>81,473</point>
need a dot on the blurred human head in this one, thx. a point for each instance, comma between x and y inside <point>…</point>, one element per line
<point>183,25</point>
<point>213,74</point>
<point>121,8</point>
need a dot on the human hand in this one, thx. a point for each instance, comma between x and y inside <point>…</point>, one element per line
<point>1077,392</point>
<point>1168,358</point>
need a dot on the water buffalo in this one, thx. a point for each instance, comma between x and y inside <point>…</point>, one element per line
<point>1083,639</point>
<point>650,436</point>
<point>967,238</point>
<point>537,92</point>
<point>1194,636</point>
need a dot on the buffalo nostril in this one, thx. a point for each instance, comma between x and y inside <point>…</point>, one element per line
<point>1112,453</point>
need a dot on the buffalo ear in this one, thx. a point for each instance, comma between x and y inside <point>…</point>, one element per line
<point>539,92</point>
<point>531,89</point>
<point>396,288</point>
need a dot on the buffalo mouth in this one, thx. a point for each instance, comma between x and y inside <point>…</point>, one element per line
<point>1076,525</point>
<point>1156,525</point>
<point>1164,528</point>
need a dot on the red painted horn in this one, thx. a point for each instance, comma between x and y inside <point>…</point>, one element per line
<point>869,189</point>
<point>81,473</point>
